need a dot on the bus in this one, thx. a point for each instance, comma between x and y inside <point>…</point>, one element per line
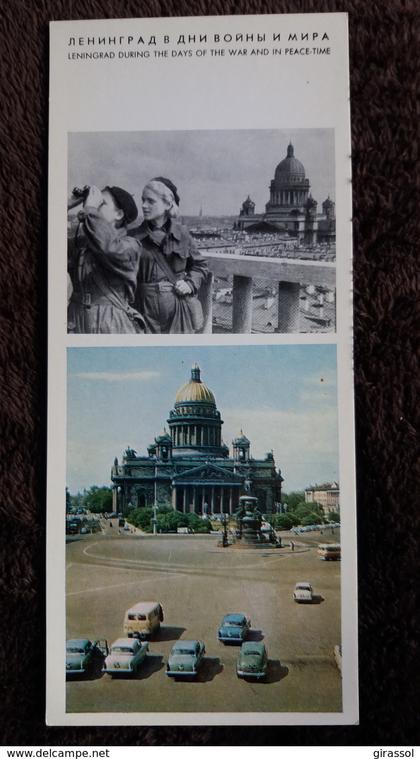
<point>329,551</point>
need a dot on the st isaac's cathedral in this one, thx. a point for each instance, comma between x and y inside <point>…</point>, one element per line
<point>190,468</point>
<point>291,207</point>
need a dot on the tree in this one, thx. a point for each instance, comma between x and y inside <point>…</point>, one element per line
<point>312,518</point>
<point>285,521</point>
<point>198,525</point>
<point>142,518</point>
<point>333,516</point>
<point>98,499</point>
<point>76,501</point>
<point>169,521</point>
<point>313,509</point>
<point>293,499</point>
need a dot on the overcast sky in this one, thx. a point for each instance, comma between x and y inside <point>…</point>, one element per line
<point>215,170</point>
<point>283,397</point>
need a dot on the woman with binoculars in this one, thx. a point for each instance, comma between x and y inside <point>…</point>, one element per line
<point>103,263</point>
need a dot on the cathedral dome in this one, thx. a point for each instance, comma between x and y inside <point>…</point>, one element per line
<point>289,169</point>
<point>163,437</point>
<point>241,440</point>
<point>195,390</point>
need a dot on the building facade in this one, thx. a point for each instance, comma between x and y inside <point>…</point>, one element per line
<point>190,467</point>
<point>327,495</point>
<point>291,207</point>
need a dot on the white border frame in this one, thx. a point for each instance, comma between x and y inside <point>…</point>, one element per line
<point>318,97</point>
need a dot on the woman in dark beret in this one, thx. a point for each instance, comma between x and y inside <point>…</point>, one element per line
<point>103,264</point>
<point>171,268</point>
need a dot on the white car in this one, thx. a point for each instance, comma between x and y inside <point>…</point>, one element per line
<point>126,655</point>
<point>303,592</point>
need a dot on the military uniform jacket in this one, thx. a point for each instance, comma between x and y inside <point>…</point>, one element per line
<point>103,265</point>
<point>162,308</point>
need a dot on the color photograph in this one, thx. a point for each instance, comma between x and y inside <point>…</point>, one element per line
<point>203,530</point>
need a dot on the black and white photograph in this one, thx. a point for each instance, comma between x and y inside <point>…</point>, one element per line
<point>183,232</point>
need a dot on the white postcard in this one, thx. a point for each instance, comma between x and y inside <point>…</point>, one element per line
<point>201,562</point>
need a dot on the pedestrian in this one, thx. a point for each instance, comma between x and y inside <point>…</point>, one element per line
<point>171,269</point>
<point>103,264</point>
<point>292,545</point>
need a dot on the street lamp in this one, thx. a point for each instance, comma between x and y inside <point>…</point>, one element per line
<point>225,541</point>
<point>154,520</point>
<point>155,506</point>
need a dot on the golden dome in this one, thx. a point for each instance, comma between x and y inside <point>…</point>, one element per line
<point>195,390</point>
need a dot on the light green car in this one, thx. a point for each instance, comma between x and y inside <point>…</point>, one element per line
<point>82,654</point>
<point>185,658</point>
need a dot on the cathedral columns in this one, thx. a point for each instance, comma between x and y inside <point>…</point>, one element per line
<point>230,500</point>
<point>184,500</point>
<point>173,497</point>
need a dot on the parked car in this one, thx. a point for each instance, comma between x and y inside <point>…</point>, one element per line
<point>73,525</point>
<point>185,658</point>
<point>233,628</point>
<point>252,660</point>
<point>303,592</point>
<point>81,655</point>
<point>125,656</point>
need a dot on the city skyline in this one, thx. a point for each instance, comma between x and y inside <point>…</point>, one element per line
<point>214,170</point>
<point>282,397</point>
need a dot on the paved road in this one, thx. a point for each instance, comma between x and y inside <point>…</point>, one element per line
<point>197,582</point>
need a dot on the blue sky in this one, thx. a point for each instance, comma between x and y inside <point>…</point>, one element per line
<point>283,397</point>
<point>214,169</point>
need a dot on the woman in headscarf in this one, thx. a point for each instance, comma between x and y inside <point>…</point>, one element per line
<point>171,269</point>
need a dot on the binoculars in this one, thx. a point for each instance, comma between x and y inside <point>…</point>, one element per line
<point>79,195</point>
